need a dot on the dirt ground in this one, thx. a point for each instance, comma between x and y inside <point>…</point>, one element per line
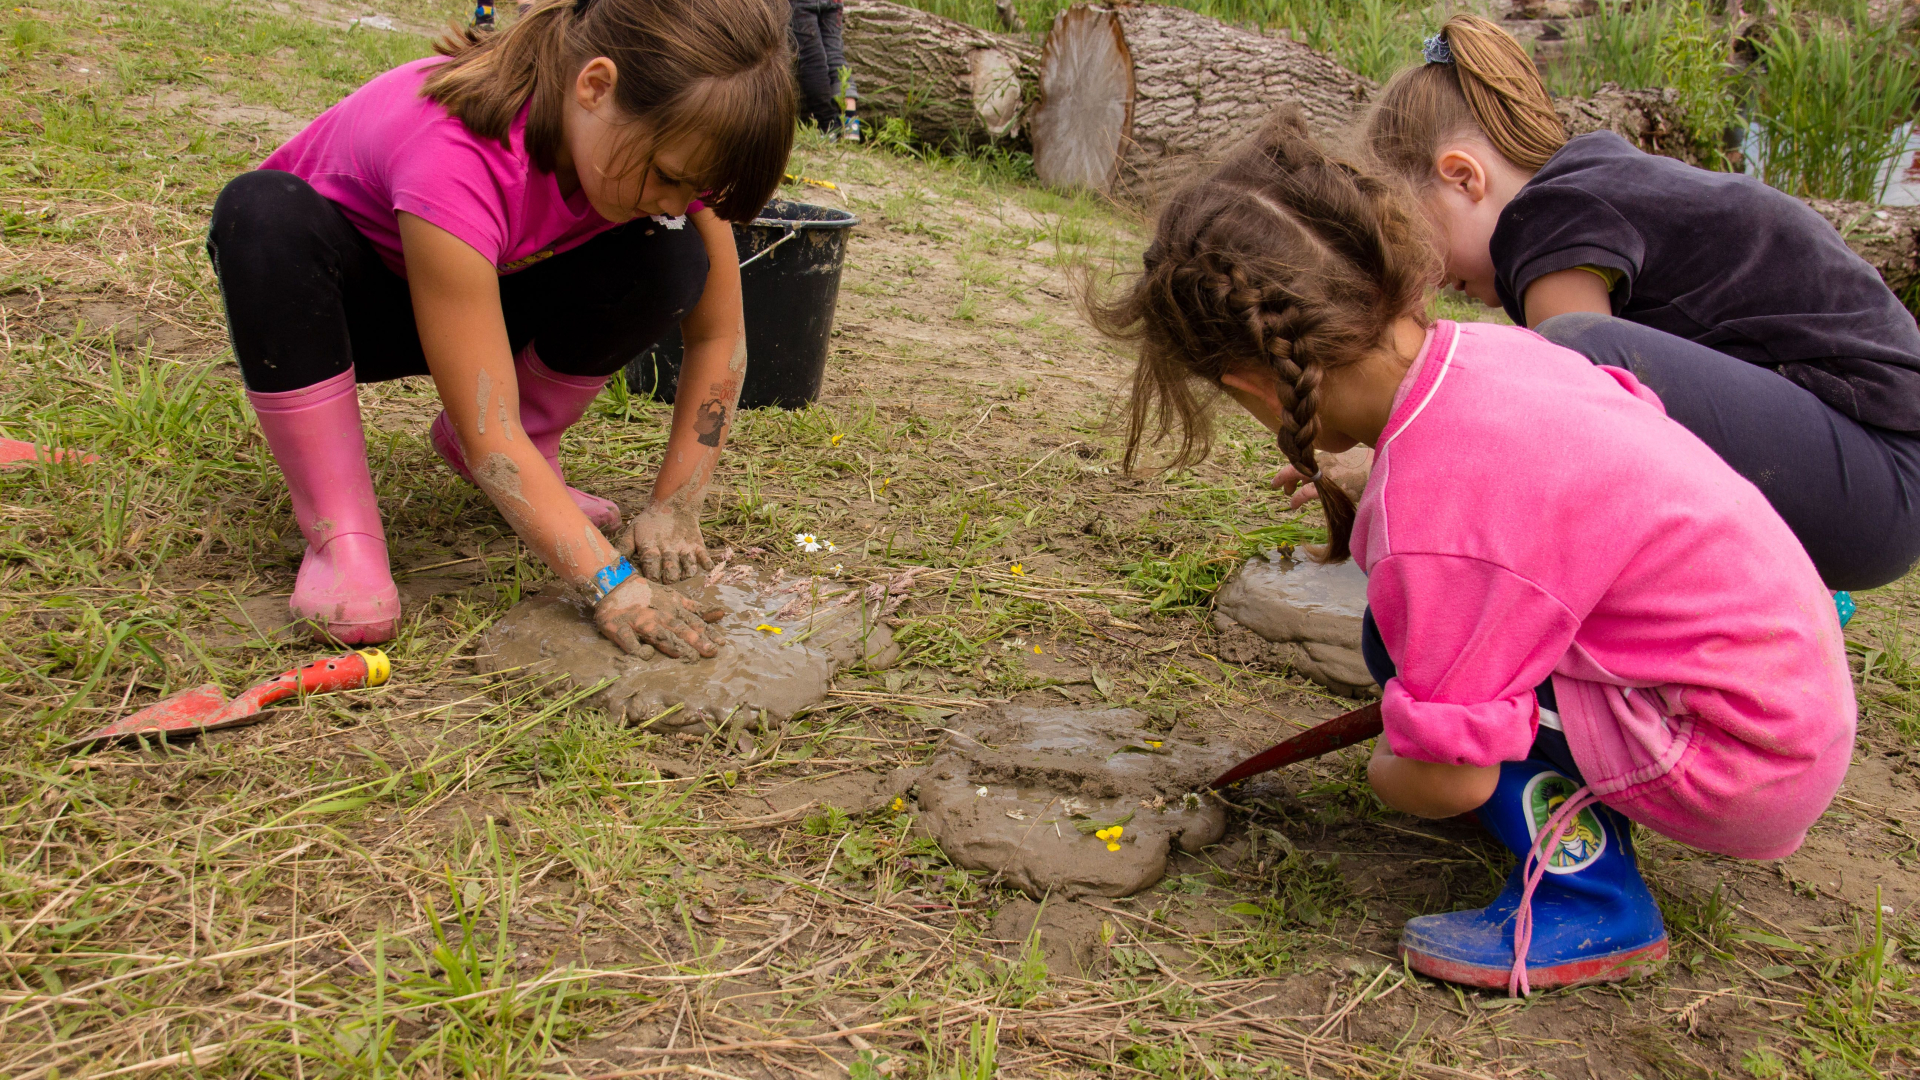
<point>465,874</point>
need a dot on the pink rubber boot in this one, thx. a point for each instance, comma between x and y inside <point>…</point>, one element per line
<point>550,403</point>
<point>345,588</point>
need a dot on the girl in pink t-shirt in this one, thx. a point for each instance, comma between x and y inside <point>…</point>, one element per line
<point>517,219</point>
<point>1579,614</point>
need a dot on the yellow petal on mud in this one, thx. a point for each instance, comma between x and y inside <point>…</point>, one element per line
<point>770,629</point>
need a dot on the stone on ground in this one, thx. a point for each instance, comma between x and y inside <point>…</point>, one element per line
<point>1311,610</point>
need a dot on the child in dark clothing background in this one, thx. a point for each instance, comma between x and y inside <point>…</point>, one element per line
<point>1741,307</point>
<point>820,64</point>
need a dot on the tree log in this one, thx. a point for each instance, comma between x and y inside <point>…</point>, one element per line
<point>1133,97</point>
<point>957,85</point>
<point>1649,119</point>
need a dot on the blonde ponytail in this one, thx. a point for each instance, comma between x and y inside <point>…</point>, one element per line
<point>1504,90</point>
<point>1483,82</point>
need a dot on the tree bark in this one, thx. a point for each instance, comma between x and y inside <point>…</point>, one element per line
<point>1134,97</point>
<point>957,85</point>
<point>1649,119</point>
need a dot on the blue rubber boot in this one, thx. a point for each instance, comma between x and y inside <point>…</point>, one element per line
<point>1592,919</point>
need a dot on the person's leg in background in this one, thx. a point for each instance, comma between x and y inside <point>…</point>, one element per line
<point>833,17</point>
<point>810,67</point>
<point>1849,492</point>
<point>306,297</point>
<point>1592,917</point>
<point>579,317</point>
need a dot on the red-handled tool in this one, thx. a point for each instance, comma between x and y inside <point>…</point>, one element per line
<point>205,708</point>
<point>1359,725</point>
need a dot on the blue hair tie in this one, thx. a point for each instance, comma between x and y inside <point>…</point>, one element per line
<point>1437,50</point>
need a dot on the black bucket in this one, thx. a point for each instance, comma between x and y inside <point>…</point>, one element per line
<point>790,258</point>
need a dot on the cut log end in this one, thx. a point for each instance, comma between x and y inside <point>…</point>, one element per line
<point>1086,100</point>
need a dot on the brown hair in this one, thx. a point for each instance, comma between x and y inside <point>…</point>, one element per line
<point>716,69</point>
<point>1280,258</point>
<point>1489,85</point>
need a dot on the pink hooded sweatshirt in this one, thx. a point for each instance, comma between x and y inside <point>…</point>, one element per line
<point>1531,514</point>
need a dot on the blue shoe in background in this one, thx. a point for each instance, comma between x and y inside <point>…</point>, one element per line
<point>1843,603</point>
<point>1590,918</point>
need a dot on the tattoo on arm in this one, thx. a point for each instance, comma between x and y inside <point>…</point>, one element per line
<point>709,420</point>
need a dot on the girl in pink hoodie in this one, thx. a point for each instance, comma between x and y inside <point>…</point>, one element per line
<point>1580,615</point>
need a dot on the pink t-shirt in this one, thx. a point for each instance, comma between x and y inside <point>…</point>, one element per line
<point>385,149</point>
<point>1530,514</point>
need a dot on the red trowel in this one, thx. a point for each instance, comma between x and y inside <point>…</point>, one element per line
<point>14,452</point>
<point>1359,725</point>
<point>206,708</point>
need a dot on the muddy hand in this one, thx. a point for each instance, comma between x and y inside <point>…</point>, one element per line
<point>665,545</point>
<point>1289,480</point>
<point>635,613</point>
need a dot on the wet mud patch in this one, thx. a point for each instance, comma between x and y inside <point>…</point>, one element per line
<point>1034,795</point>
<point>129,323</point>
<point>784,640</point>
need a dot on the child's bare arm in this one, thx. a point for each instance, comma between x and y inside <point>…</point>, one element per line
<point>1428,789</point>
<point>665,539</point>
<point>456,305</point>
<point>1565,291</point>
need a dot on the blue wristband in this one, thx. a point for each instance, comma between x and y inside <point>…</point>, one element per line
<point>608,578</point>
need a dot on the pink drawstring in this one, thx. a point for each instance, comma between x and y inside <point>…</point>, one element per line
<point>1535,868</point>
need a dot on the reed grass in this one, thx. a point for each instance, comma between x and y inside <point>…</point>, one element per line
<point>1832,103</point>
<point>1618,44</point>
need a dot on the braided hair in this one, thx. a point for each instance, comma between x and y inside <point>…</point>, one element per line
<point>1280,258</point>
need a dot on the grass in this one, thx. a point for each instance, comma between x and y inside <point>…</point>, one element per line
<point>459,874</point>
<point>1832,104</point>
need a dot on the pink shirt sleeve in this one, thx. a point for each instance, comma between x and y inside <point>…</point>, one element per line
<point>450,179</point>
<point>1471,640</point>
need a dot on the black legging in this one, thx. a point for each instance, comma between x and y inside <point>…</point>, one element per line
<point>1849,492</point>
<point>308,296</point>
<point>819,60</point>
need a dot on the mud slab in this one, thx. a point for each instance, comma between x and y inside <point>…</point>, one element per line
<point>1072,937</point>
<point>824,626</point>
<point>1018,791</point>
<point>1313,609</point>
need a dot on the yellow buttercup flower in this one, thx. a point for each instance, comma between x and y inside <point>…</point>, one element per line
<point>835,441</point>
<point>1017,570</point>
<point>899,804</point>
